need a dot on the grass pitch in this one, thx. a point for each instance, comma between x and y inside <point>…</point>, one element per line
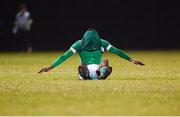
<point>131,90</point>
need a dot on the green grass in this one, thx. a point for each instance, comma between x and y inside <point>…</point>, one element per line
<point>131,90</point>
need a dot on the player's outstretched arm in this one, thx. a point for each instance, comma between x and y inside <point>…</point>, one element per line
<point>58,61</point>
<point>122,54</point>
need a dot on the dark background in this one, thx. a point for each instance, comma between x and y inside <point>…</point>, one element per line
<point>127,24</point>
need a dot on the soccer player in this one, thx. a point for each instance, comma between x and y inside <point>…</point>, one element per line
<point>90,48</point>
<point>22,25</point>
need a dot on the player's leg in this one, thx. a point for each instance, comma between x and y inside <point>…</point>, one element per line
<point>83,72</point>
<point>91,72</point>
<point>88,72</point>
<point>26,36</point>
<point>104,70</point>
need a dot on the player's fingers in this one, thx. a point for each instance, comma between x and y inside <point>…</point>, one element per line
<point>40,71</point>
<point>140,63</point>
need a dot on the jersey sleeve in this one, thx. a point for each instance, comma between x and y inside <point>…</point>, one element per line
<point>76,46</point>
<point>105,44</point>
<point>73,49</point>
<point>62,58</point>
<point>120,53</point>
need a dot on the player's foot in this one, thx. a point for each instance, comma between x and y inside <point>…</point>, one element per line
<point>107,72</point>
<point>83,72</point>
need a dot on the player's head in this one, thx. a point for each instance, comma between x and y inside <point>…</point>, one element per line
<point>22,7</point>
<point>91,40</point>
<point>91,32</point>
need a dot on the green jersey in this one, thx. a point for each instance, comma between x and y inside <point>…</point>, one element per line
<point>90,57</point>
<point>90,48</point>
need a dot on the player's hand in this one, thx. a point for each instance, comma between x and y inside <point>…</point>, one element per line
<point>137,62</point>
<point>44,70</point>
